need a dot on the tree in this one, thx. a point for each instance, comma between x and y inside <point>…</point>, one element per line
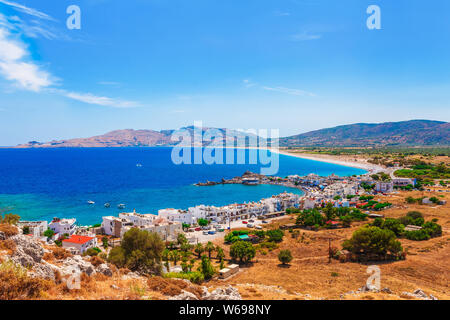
<point>220,253</point>
<point>275,235</point>
<point>175,256</point>
<point>285,256</point>
<point>373,243</point>
<point>166,258</point>
<point>181,239</point>
<point>105,242</point>
<point>185,226</point>
<point>202,222</point>
<point>242,250</point>
<point>199,249</point>
<point>139,251</point>
<point>329,211</point>
<point>209,248</point>
<point>26,230</point>
<point>206,268</point>
<point>49,233</point>
<point>9,218</point>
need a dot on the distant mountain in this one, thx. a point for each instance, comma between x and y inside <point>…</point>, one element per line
<point>414,132</point>
<point>150,138</point>
<point>404,133</point>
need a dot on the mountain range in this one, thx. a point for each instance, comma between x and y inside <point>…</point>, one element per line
<point>403,133</point>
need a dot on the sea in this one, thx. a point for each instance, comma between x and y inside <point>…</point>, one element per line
<point>39,184</point>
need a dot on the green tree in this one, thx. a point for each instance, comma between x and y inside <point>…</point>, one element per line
<point>181,239</point>
<point>175,256</point>
<point>206,268</point>
<point>285,256</point>
<point>373,243</point>
<point>220,253</point>
<point>139,251</point>
<point>199,249</point>
<point>166,258</point>
<point>202,222</point>
<point>49,233</point>
<point>275,235</point>
<point>26,230</point>
<point>329,211</point>
<point>242,250</point>
<point>209,248</point>
<point>105,242</point>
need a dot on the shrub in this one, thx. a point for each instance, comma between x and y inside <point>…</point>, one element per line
<point>140,251</point>
<point>394,225</point>
<point>275,235</point>
<point>8,230</point>
<point>16,284</point>
<point>206,268</point>
<point>373,243</point>
<point>417,235</point>
<point>244,251</point>
<point>310,217</point>
<point>285,256</point>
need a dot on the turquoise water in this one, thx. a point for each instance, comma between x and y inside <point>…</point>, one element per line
<point>44,183</point>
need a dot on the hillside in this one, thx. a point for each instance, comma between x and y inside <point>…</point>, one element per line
<point>405,133</point>
<point>414,132</point>
<point>147,138</point>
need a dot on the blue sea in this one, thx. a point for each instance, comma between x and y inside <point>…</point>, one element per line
<point>45,183</point>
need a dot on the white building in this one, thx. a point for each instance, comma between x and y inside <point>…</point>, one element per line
<point>385,187</point>
<point>79,243</point>
<point>63,226</point>
<point>37,228</point>
<point>177,215</point>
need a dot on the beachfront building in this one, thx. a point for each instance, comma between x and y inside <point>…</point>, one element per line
<point>63,226</point>
<point>403,182</point>
<point>384,187</point>
<point>177,215</point>
<point>167,230</point>
<point>36,228</point>
<point>137,219</point>
<point>79,244</point>
<point>112,226</point>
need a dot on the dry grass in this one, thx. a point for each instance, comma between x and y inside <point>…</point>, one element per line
<point>8,230</point>
<point>310,276</point>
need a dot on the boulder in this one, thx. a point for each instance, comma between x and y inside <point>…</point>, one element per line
<point>76,264</point>
<point>185,295</point>
<point>223,293</point>
<point>29,246</point>
<point>104,269</point>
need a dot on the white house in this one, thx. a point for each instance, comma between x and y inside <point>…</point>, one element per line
<point>385,187</point>
<point>80,243</point>
<point>63,226</point>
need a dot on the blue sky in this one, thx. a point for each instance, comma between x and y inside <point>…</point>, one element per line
<point>296,65</point>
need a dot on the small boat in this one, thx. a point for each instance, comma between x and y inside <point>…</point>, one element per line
<point>107,205</point>
<point>90,202</point>
<point>121,206</point>
<point>138,165</point>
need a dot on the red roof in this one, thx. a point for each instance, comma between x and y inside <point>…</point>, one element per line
<point>78,239</point>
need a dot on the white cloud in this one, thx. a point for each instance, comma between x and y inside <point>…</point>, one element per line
<point>102,101</point>
<point>305,36</point>
<point>295,92</point>
<point>14,67</point>
<point>30,11</point>
<point>248,83</point>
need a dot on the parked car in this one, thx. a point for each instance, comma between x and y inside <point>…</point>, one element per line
<point>258,227</point>
<point>205,233</point>
<point>211,232</point>
<point>251,220</point>
<point>264,221</point>
<point>244,222</point>
<point>198,229</point>
<point>250,225</point>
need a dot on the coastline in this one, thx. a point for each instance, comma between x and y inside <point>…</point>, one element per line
<point>370,168</point>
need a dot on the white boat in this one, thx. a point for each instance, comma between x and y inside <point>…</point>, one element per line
<point>107,205</point>
<point>138,165</point>
<point>121,206</point>
<point>90,202</point>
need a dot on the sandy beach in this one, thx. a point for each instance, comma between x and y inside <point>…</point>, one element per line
<point>340,160</point>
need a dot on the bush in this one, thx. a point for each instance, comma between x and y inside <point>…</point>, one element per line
<point>285,256</point>
<point>8,230</point>
<point>92,251</point>
<point>194,277</point>
<point>373,243</point>
<point>310,217</point>
<point>206,268</point>
<point>275,235</point>
<point>394,225</point>
<point>417,235</point>
<point>140,251</point>
<point>242,250</point>
<point>15,284</point>
<point>202,222</point>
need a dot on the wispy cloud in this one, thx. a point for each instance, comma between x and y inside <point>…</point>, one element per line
<point>249,83</point>
<point>15,65</point>
<point>99,100</point>
<point>27,10</point>
<point>304,36</point>
<point>281,14</point>
<point>295,92</point>
<point>109,83</point>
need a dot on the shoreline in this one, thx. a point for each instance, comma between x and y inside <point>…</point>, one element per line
<point>370,168</point>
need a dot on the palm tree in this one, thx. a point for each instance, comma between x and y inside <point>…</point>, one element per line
<point>210,247</point>
<point>220,253</point>
<point>199,249</point>
<point>175,256</point>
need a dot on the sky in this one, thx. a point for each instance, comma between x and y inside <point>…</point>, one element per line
<point>292,65</point>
